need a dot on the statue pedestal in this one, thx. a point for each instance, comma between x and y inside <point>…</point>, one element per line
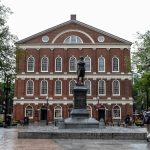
<point>79,115</point>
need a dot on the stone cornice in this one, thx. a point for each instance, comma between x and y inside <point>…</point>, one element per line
<point>77,46</point>
<point>68,76</point>
<point>51,102</point>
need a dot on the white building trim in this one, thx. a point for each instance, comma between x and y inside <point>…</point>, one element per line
<point>55,101</point>
<point>72,30</point>
<point>77,46</point>
<point>74,76</point>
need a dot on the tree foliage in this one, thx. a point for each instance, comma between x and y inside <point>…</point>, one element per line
<point>7,57</point>
<point>7,48</point>
<point>141,55</point>
<point>141,61</point>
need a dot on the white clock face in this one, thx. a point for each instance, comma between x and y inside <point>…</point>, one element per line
<point>101,38</point>
<point>45,38</point>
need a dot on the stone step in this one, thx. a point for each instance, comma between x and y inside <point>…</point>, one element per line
<point>81,134</point>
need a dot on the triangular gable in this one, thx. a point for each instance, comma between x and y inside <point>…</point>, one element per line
<point>79,23</point>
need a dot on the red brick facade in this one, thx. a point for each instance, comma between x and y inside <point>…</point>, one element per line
<point>59,106</point>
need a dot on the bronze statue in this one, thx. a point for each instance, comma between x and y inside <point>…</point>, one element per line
<point>81,70</point>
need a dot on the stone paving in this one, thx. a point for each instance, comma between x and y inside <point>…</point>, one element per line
<point>103,144</point>
<point>9,141</point>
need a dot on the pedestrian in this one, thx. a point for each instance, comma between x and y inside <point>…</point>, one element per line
<point>147,123</point>
<point>127,120</point>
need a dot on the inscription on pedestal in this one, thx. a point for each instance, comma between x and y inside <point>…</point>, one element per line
<point>80,97</point>
<point>80,102</point>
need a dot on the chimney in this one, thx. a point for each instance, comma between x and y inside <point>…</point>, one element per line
<point>73,17</point>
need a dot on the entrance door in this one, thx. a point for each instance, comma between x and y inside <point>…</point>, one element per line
<point>101,114</point>
<point>43,113</point>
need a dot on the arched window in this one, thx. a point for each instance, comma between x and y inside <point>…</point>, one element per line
<point>101,64</point>
<point>115,64</point>
<point>30,64</point>
<point>72,64</point>
<point>88,86</point>
<point>73,39</point>
<point>44,64</point>
<point>72,85</point>
<point>89,109</point>
<point>116,112</point>
<point>29,111</point>
<point>116,88</point>
<point>29,87</point>
<point>58,87</point>
<point>101,87</point>
<point>87,64</point>
<point>44,87</point>
<point>58,112</point>
<point>58,64</point>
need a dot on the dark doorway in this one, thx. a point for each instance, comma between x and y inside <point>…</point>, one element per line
<point>43,113</point>
<point>101,114</point>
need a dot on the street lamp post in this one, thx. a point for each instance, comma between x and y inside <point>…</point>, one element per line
<point>47,110</point>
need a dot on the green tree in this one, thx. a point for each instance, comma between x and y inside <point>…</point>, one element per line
<point>141,90</point>
<point>7,48</point>
<point>141,54</point>
<point>7,57</point>
<point>141,61</point>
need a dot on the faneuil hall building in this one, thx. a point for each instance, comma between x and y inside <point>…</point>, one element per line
<point>47,73</point>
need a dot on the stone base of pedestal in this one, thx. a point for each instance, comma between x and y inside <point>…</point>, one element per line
<point>75,123</point>
<point>79,113</point>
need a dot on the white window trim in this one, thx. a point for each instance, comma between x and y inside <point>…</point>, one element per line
<point>98,64</point>
<point>61,88</point>
<point>119,88</point>
<point>69,87</point>
<point>89,89</point>
<point>55,64</point>
<point>33,64</point>
<point>72,30</point>
<point>47,64</point>
<point>41,88</point>
<point>69,64</point>
<point>113,113</point>
<point>70,40</point>
<point>27,86</point>
<point>32,111</point>
<point>57,109</point>
<point>113,63</point>
<point>90,63</point>
<point>104,88</point>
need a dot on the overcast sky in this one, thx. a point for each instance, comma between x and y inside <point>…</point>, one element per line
<point>122,18</point>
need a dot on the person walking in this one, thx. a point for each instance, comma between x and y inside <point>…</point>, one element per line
<point>147,123</point>
<point>127,120</point>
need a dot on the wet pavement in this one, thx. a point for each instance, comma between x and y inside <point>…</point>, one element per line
<point>9,141</point>
<point>103,145</point>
